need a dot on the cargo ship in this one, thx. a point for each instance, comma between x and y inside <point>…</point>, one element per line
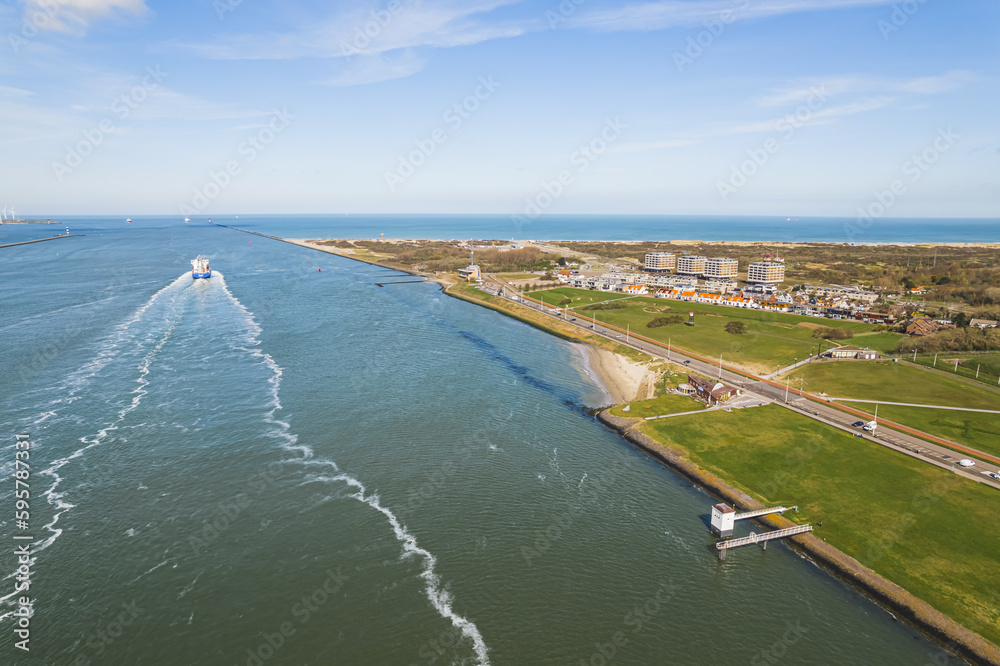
<point>199,268</point>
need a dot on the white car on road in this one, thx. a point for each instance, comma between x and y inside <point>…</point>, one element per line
<point>965,462</point>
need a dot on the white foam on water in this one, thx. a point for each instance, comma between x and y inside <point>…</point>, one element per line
<point>74,383</point>
<point>438,596</point>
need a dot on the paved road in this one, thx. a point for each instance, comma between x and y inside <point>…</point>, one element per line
<point>913,404</point>
<point>905,443</point>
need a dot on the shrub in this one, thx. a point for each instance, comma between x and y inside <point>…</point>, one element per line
<point>736,328</point>
<point>829,333</point>
<point>665,321</point>
<point>613,305</point>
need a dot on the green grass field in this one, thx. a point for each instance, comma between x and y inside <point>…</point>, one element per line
<point>988,365</point>
<point>772,340</point>
<point>579,297</point>
<point>980,431</point>
<point>922,527</point>
<point>893,382</point>
<point>664,404</point>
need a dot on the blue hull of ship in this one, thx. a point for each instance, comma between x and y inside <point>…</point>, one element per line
<point>207,274</point>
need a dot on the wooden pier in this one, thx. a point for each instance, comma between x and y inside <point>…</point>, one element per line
<point>762,539</point>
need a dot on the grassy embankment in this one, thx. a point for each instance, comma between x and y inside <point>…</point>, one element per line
<point>544,322</point>
<point>917,525</point>
<point>663,404</point>
<point>901,382</point>
<point>987,363</point>
<point>772,339</point>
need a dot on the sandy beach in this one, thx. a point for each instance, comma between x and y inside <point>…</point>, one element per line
<point>622,379</point>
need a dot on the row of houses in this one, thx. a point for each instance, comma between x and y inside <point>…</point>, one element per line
<point>840,293</point>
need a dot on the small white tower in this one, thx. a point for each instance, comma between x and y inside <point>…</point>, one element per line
<point>723,518</point>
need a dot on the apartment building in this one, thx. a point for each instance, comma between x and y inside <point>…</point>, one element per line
<point>766,272</point>
<point>720,267</point>
<point>660,261</point>
<point>690,264</point>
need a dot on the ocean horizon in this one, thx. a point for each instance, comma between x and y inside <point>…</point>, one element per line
<point>735,228</point>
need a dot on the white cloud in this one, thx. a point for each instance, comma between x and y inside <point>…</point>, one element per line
<point>377,68</point>
<point>819,116</point>
<point>801,90</point>
<point>356,31</point>
<point>75,15</point>
<point>8,91</point>
<point>675,13</point>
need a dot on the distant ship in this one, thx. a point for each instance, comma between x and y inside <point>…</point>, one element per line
<point>129,220</point>
<point>199,268</point>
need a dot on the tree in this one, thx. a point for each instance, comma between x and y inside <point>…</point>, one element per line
<point>960,319</point>
<point>561,261</point>
<point>736,328</point>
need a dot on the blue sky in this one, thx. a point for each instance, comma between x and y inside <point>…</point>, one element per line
<point>777,107</point>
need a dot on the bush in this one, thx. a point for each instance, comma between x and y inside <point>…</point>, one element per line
<point>828,333</point>
<point>564,302</point>
<point>613,305</point>
<point>736,328</point>
<point>665,321</point>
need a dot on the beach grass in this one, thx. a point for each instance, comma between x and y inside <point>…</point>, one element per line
<point>920,526</point>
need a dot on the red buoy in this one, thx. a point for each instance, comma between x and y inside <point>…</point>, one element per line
<point>320,270</point>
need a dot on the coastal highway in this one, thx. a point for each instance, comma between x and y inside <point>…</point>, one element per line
<point>771,392</point>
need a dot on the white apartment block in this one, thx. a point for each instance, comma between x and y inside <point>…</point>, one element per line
<point>691,264</point>
<point>766,271</point>
<point>660,261</point>
<point>719,267</point>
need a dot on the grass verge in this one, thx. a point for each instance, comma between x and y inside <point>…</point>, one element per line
<point>917,525</point>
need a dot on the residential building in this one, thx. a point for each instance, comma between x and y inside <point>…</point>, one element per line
<point>634,289</point>
<point>720,267</point>
<point>766,271</point>
<point>922,326</point>
<point>720,285</point>
<point>660,261</point>
<point>690,264</point>
<point>983,323</point>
